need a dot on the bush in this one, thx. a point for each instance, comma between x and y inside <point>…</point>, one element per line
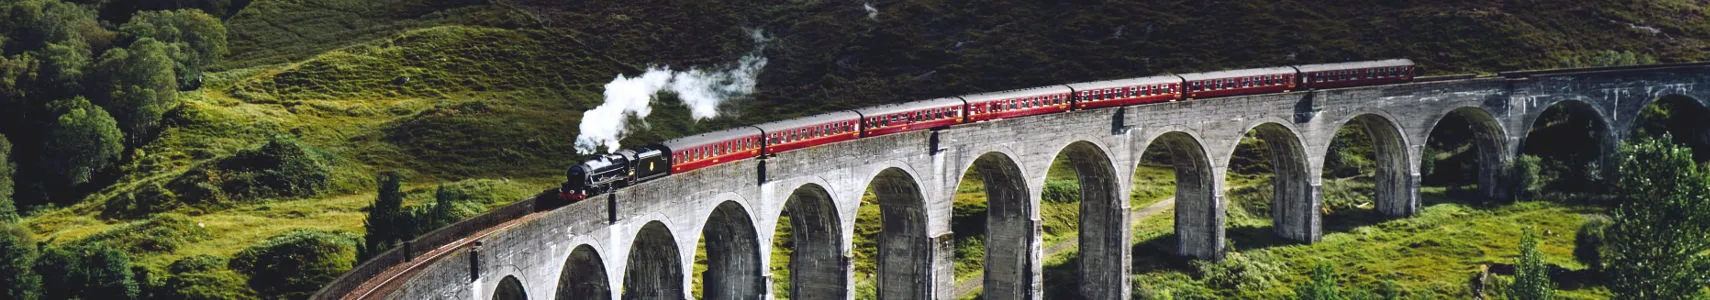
<point>8,210</point>
<point>282,168</point>
<point>88,272</point>
<point>296,264</point>
<point>203,277</point>
<point>162,234</point>
<point>1062,191</point>
<point>1524,175</point>
<point>1322,286</point>
<point>17,254</point>
<point>1531,275</point>
<point>1240,272</point>
<point>1588,243</point>
<point>1660,231</point>
<point>83,140</point>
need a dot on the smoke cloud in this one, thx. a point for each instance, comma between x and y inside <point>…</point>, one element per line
<point>703,90</point>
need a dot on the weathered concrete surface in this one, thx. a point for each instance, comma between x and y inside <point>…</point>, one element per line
<point>640,242</point>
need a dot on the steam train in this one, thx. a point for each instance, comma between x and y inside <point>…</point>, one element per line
<point>626,167</point>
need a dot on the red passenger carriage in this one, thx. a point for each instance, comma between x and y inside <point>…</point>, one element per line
<point>1239,82</point>
<point>917,115</point>
<point>1324,76</point>
<point>706,149</point>
<point>1016,103</point>
<point>1127,91</point>
<point>812,131</point>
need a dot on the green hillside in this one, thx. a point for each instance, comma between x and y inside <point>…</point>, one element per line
<point>485,96</point>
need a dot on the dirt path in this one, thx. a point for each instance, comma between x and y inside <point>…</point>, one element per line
<point>972,285</point>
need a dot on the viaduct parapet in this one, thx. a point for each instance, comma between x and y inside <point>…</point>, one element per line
<point>643,239</point>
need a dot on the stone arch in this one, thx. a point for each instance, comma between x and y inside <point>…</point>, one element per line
<point>818,269</point>
<point>1010,227</point>
<point>1199,203</point>
<point>510,289</point>
<point>1491,141</point>
<point>1693,115</point>
<point>1535,140</point>
<point>1103,244</point>
<point>584,275</point>
<point>655,268</point>
<point>733,255</point>
<point>1295,205</point>
<point>1395,184</point>
<point>905,251</point>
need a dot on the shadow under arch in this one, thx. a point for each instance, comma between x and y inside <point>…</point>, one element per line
<point>817,267</point>
<point>1491,143</point>
<point>1575,136</point>
<point>733,255</point>
<point>1394,186</point>
<point>510,289</point>
<point>1685,119</point>
<point>1199,207</point>
<point>905,255</point>
<point>1295,212</point>
<point>1010,228</point>
<point>655,269</point>
<point>584,276</point>
<point>1102,218</point>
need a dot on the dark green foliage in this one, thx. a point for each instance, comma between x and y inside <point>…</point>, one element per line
<point>1251,157</point>
<point>44,51</point>
<point>1350,153</point>
<point>295,264</point>
<point>282,168</point>
<point>17,255</point>
<point>1588,243</point>
<point>1322,286</point>
<point>88,272</point>
<point>164,233</point>
<point>1660,231</point>
<point>203,277</point>
<point>1531,274</point>
<point>444,211</point>
<point>137,84</point>
<point>1062,191</point>
<point>1681,119</point>
<point>1239,272</point>
<point>194,39</point>
<point>83,140</point>
<point>8,210</point>
<point>1568,139</point>
<point>388,223</point>
<point>1524,177</point>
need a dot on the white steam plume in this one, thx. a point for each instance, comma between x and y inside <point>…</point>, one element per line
<point>702,90</point>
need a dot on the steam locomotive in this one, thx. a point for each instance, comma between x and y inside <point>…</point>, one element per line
<point>626,167</point>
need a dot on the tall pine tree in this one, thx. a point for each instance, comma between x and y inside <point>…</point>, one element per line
<point>387,223</point>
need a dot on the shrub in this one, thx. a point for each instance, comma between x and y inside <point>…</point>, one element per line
<point>1322,286</point>
<point>1062,191</point>
<point>163,233</point>
<point>1239,272</point>
<point>203,277</point>
<point>295,264</point>
<point>82,141</point>
<point>1524,175</point>
<point>88,272</point>
<point>17,254</point>
<point>281,168</point>
<point>8,210</point>
<point>1588,245</point>
<point>1531,275</point>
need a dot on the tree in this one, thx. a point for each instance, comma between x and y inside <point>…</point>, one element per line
<point>1588,243</point>
<point>49,40</point>
<point>8,210</point>
<point>1531,275</point>
<point>17,255</point>
<point>1524,176</point>
<point>441,214</point>
<point>137,85</point>
<point>296,264</point>
<point>1322,286</point>
<point>1660,231</point>
<point>82,141</point>
<point>195,39</point>
<point>387,221</point>
<point>93,271</point>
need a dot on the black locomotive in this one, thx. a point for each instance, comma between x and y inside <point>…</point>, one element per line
<point>608,172</point>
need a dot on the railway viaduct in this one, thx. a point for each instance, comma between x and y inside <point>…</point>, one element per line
<point>640,243</point>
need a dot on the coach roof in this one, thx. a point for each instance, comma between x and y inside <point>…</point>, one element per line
<point>1355,65</point>
<point>909,106</point>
